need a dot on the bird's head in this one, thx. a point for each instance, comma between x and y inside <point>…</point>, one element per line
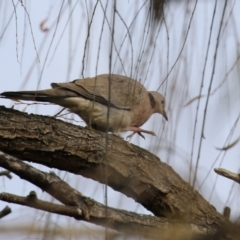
<point>158,103</point>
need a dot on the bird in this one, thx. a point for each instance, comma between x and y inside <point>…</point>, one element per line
<point>108,102</point>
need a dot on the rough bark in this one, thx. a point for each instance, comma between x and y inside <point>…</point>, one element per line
<point>83,208</point>
<point>125,167</point>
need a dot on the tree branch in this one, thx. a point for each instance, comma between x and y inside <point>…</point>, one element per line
<point>83,208</point>
<point>131,170</point>
<point>32,201</point>
<point>228,174</point>
<point>7,210</point>
<point>6,173</point>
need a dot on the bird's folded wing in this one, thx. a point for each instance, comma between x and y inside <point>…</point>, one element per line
<point>125,93</point>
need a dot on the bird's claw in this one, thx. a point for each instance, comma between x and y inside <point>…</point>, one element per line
<point>139,131</point>
<point>141,135</point>
<point>131,135</point>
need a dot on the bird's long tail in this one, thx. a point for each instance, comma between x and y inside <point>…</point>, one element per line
<point>55,95</point>
<point>39,96</point>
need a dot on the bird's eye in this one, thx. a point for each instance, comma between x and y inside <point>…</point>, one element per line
<point>162,101</point>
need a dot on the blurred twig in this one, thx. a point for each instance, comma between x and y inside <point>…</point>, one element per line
<point>226,173</point>
<point>7,210</point>
<point>6,173</point>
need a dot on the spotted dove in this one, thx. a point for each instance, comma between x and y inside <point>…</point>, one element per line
<point>130,104</point>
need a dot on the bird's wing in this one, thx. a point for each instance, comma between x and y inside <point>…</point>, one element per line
<point>125,93</point>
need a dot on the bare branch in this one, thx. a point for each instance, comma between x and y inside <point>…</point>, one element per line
<point>131,170</point>
<point>83,208</point>
<point>32,201</point>
<point>6,173</point>
<point>226,173</point>
<point>7,210</point>
<point>227,212</point>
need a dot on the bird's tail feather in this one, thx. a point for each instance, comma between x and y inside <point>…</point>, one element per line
<point>39,96</point>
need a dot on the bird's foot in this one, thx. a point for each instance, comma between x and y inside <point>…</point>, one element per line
<point>139,131</point>
<point>131,135</point>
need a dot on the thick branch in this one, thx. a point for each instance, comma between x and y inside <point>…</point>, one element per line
<point>130,169</point>
<point>87,209</point>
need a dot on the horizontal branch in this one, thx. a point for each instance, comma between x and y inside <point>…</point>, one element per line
<point>32,201</point>
<point>84,208</point>
<point>130,169</point>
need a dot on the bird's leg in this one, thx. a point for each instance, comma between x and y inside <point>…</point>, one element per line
<point>131,135</point>
<point>139,131</point>
<point>141,135</point>
<point>59,112</point>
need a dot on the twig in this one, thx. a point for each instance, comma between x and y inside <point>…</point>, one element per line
<point>32,201</point>
<point>227,212</point>
<point>6,173</point>
<point>7,210</point>
<point>226,173</point>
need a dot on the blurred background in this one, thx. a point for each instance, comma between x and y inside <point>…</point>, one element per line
<point>188,50</point>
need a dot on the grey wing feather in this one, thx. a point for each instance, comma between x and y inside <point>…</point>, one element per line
<point>125,92</point>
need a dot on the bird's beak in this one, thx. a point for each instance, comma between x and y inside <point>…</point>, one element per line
<point>165,115</point>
